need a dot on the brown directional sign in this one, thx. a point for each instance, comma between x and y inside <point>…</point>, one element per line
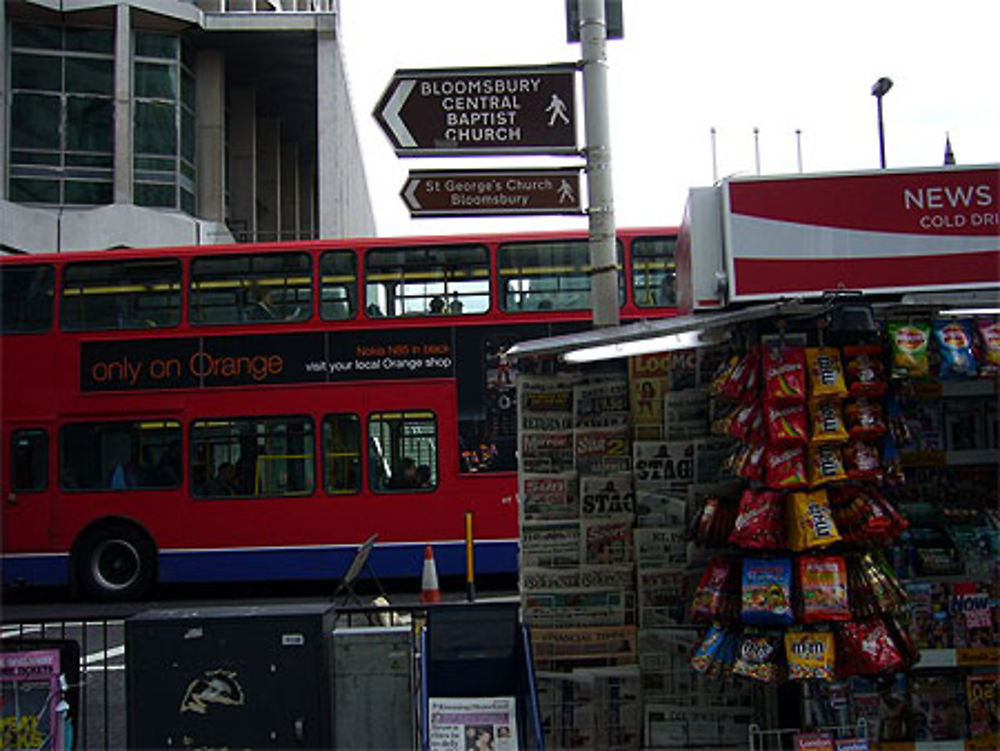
<point>468,111</point>
<point>431,193</point>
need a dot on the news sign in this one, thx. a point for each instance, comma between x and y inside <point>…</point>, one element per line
<point>885,231</point>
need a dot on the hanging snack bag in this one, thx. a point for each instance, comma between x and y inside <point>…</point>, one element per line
<point>784,375</point>
<point>864,418</point>
<point>767,592</point>
<point>825,464</point>
<point>787,424</point>
<point>909,349</point>
<point>710,599</point>
<point>865,372</point>
<point>809,521</point>
<point>708,650</point>
<point>823,588</point>
<point>826,374</point>
<point>785,467</point>
<point>989,347</point>
<point>869,648</point>
<point>862,461</point>
<point>827,422</point>
<point>744,379</point>
<point>954,339</point>
<point>758,657</point>
<point>810,655</point>
<point>760,522</point>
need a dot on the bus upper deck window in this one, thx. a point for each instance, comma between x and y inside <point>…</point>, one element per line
<point>121,294</point>
<point>250,288</point>
<point>26,295</point>
<point>427,281</point>
<point>654,277</point>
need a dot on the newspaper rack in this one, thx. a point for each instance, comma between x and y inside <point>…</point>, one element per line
<point>477,653</point>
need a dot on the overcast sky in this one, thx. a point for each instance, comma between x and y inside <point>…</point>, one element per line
<point>685,66</point>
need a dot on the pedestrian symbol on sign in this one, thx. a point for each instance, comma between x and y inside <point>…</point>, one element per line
<point>557,108</point>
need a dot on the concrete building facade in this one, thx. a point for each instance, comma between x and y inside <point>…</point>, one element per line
<point>149,123</point>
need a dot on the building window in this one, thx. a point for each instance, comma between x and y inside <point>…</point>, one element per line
<point>26,294</point>
<point>252,457</point>
<point>138,455</point>
<point>163,122</point>
<point>61,146</point>
<point>402,451</point>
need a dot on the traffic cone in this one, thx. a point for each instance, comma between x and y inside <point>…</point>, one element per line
<point>429,592</point>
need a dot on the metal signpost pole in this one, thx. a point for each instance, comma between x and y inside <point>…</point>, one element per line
<point>603,257</point>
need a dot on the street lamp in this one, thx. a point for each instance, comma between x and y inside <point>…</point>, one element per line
<point>879,90</point>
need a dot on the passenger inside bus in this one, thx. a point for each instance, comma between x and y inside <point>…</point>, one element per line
<point>224,481</point>
<point>405,475</point>
<point>261,304</point>
<point>437,306</point>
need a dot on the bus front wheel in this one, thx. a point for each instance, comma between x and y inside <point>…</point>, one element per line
<point>116,562</point>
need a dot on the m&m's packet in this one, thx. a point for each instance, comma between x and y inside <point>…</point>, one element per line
<point>954,339</point>
<point>909,349</point>
<point>827,422</point>
<point>826,374</point>
<point>826,464</point>
<point>809,521</point>
<point>810,655</point>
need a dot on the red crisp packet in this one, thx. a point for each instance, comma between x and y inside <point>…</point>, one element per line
<point>713,598</point>
<point>865,370</point>
<point>743,382</point>
<point>869,648</point>
<point>784,375</point>
<point>785,467</point>
<point>753,467</point>
<point>862,461</point>
<point>864,419</point>
<point>747,422</point>
<point>787,423</point>
<point>760,521</point>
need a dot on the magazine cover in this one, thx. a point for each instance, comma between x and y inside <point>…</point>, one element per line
<point>606,541</point>
<point>609,495</point>
<point>661,597</point>
<point>663,465</point>
<point>546,395</point>
<point>982,692</point>
<point>972,615</point>
<point>549,496</point>
<point>601,404</point>
<point>473,724</point>
<point>546,452</point>
<point>550,544</point>
<point>930,622</point>
<point>602,451</point>
<point>656,509</point>
<point>566,704</point>
<point>936,704</point>
<point>656,547</point>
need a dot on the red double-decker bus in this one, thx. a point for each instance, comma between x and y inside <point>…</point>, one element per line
<point>254,412</point>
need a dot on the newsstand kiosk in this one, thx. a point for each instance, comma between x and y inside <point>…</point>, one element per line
<point>777,526</point>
